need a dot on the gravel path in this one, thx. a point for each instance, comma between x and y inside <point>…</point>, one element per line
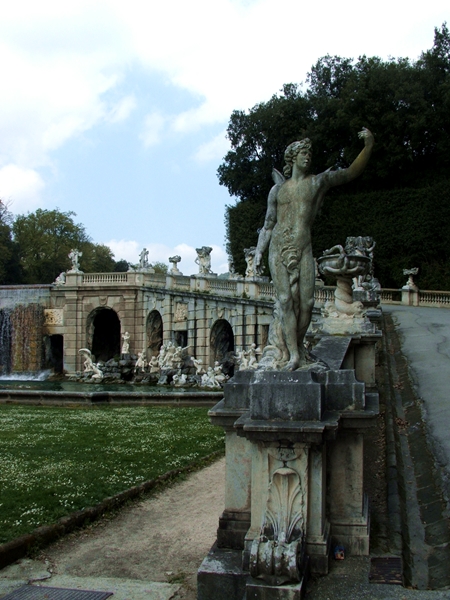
<point>162,538</point>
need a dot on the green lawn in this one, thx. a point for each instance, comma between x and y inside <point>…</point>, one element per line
<point>57,460</point>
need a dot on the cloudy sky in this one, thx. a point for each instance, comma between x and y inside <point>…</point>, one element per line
<point>117,110</point>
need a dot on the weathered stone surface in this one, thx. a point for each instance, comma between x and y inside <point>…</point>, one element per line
<point>342,390</point>
<point>332,350</point>
<point>236,390</point>
<point>220,576</point>
<point>286,396</point>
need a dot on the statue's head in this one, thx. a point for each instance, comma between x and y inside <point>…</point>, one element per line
<point>291,152</point>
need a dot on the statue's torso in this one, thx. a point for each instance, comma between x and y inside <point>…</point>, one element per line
<point>297,203</point>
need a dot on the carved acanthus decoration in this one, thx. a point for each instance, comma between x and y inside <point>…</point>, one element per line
<point>54,316</point>
<point>277,555</point>
<point>181,312</point>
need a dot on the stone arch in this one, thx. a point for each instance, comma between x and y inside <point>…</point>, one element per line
<point>103,333</point>
<point>154,331</point>
<point>222,345</point>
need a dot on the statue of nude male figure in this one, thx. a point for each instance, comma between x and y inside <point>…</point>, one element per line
<point>291,209</point>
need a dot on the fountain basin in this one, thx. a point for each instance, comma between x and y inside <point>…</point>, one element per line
<point>350,265</point>
<point>72,393</point>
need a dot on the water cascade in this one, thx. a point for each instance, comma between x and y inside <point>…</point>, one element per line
<point>21,338</point>
<point>5,340</point>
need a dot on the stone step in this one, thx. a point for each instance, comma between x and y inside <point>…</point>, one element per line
<point>122,589</point>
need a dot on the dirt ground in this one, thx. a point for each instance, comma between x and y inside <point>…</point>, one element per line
<point>163,537</point>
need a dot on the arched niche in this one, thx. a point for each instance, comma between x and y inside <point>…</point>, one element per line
<point>154,330</point>
<point>54,352</point>
<point>103,334</point>
<point>222,345</point>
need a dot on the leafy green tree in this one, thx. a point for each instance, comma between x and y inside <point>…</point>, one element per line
<point>97,258</point>
<point>121,266</point>
<point>406,105</point>
<point>10,271</point>
<point>159,267</point>
<point>44,240</point>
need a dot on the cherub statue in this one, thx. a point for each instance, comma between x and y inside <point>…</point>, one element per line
<point>141,362</point>
<point>252,356</point>
<point>203,260</point>
<point>143,259</point>
<point>198,364</point>
<point>250,260</point>
<point>154,365</point>
<point>219,375</point>
<point>179,379</point>
<point>126,343</point>
<point>61,279</point>
<point>89,365</point>
<point>209,380</point>
<point>241,358</point>
<point>74,256</point>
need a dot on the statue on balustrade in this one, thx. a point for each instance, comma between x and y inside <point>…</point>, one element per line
<point>203,260</point>
<point>250,260</point>
<point>75,256</point>
<point>292,206</point>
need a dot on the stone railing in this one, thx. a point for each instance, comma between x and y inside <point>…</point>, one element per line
<point>109,278</point>
<point>266,290</point>
<point>253,288</point>
<point>324,294</point>
<point>434,298</point>
<point>223,287</point>
<point>391,296</point>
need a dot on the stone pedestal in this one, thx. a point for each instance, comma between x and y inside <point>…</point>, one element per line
<point>294,481</point>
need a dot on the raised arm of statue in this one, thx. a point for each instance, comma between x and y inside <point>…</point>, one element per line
<point>332,178</point>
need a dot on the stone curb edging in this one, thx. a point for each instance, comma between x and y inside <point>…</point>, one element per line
<point>45,535</point>
<point>392,467</point>
<point>424,505</point>
<point>415,569</point>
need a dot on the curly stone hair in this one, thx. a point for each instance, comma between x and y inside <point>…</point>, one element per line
<point>291,152</point>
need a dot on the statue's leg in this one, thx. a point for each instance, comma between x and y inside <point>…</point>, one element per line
<point>288,316</point>
<point>306,299</point>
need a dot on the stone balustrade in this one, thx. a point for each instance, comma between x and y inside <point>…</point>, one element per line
<point>254,288</point>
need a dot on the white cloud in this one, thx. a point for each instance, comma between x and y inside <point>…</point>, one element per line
<point>122,110</point>
<point>125,249</point>
<point>21,187</point>
<point>215,149</point>
<point>153,127</point>
<point>130,249</point>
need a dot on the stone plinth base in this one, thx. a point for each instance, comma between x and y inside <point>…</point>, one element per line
<point>352,533</point>
<point>294,475</point>
<point>233,526</point>
<point>220,576</point>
